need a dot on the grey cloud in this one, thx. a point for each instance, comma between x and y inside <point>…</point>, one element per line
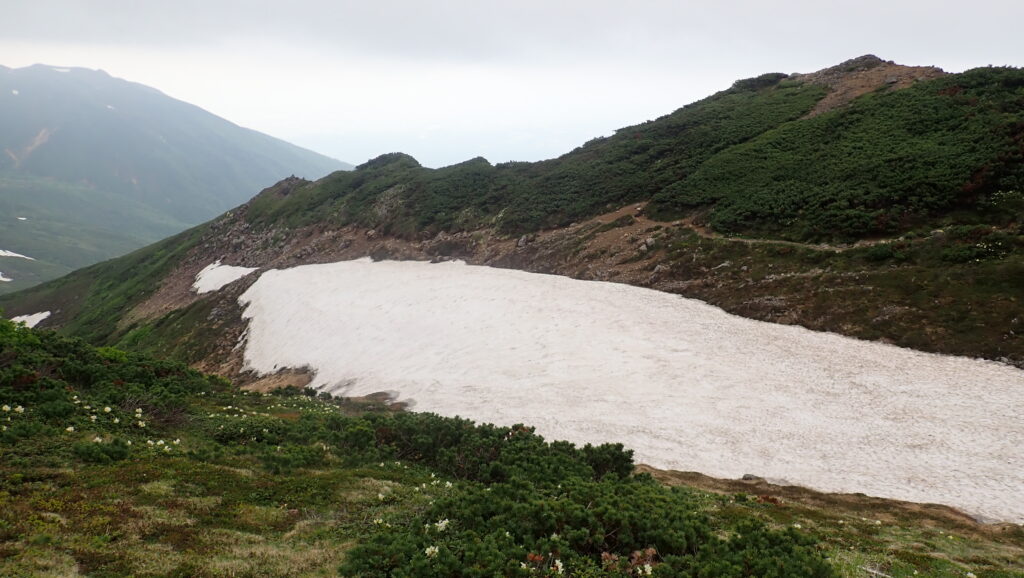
<point>533,30</point>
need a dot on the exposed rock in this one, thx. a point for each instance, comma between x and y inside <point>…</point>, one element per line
<point>859,76</point>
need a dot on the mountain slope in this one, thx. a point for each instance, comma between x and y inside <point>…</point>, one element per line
<point>93,166</point>
<point>116,463</point>
<point>735,195</point>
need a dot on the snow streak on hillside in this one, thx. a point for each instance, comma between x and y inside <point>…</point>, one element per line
<point>31,320</point>
<point>214,276</point>
<point>685,384</point>
<point>6,253</point>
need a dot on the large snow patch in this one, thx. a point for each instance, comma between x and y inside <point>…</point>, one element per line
<point>685,384</point>
<point>214,276</point>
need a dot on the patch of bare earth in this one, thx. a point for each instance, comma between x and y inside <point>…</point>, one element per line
<point>623,245</point>
<point>862,75</point>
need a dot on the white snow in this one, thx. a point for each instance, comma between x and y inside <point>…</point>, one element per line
<point>6,279</point>
<point>214,276</point>
<point>686,385</point>
<point>31,320</point>
<point>4,253</point>
<point>15,92</point>
<point>22,218</point>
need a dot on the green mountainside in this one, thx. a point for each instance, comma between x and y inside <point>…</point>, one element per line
<point>117,464</point>
<point>943,151</point>
<point>895,215</point>
<point>92,167</point>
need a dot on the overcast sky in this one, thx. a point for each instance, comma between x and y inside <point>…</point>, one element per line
<point>450,80</point>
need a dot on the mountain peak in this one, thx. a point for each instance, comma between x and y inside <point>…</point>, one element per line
<point>388,159</point>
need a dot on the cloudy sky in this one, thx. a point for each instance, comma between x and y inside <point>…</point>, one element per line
<point>449,80</point>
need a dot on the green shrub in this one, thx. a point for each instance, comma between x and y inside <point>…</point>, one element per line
<point>101,452</point>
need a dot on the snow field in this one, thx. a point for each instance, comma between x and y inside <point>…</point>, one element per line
<point>683,383</point>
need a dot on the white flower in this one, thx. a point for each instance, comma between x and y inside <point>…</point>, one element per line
<point>648,570</point>
<point>4,428</point>
<point>106,409</point>
<point>554,535</point>
<point>97,439</point>
<point>138,411</point>
<point>149,442</point>
<point>70,428</point>
<point>797,526</point>
<point>6,407</point>
<point>558,567</point>
<point>141,423</point>
<point>117,420</point>
<point>380,496</point>
<point>160,443</point>
<point>177,441</point>
<point>88,407</point>
<point>167,448</point>
<point>523,565</point>
<point>129,442</point>
<point>92,418</point>
<point>19,409</point>
<point>431,551</point>
<point>447,484</point>
<point>442,525</point>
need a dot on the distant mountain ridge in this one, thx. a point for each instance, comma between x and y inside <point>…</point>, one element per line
<point>92,166</point>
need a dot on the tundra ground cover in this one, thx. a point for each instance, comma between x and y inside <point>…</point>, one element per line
<point>116,464</point>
